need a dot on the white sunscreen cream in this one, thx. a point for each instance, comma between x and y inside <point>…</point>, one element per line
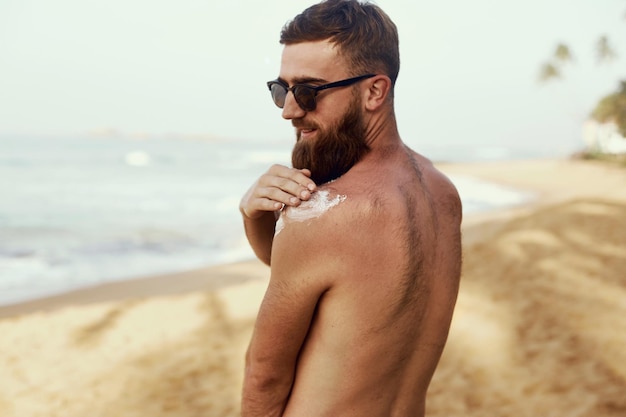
<point>319,203</point>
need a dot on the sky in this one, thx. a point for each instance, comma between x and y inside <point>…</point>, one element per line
<point>149,67</point>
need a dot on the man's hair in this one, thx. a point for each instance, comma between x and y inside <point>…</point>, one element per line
<point>364,34</point>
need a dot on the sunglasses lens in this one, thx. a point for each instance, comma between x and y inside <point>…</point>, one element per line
<point>305,97</point>
<point>279,93</point>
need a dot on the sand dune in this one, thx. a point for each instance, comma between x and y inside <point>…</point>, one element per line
<point>539,330</point>
<point>175,355</point>
<point>540,325</point>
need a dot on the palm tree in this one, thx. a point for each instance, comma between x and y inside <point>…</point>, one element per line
<point>604,50</point>
<point>549,71</point>
<point>612,108</point>
<point>552,69</point>
<point>563,54</point>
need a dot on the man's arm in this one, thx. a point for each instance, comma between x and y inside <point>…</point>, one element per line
<point>260,234</point>
<point>283,323</point>
<point>279,186</point>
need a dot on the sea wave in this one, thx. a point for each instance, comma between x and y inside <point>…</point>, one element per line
<point>78,211</point>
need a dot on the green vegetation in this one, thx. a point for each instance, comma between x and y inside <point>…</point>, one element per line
<point>562,55</point>
<point>612,108</point>
<point>554,67</point>
<point>619,160</point>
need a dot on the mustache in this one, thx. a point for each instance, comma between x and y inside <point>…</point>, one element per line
<point>300,124</point>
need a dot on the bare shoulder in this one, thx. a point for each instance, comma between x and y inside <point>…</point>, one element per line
<point>331,226</point>
<point>439,187</point>
<point>358,215</point>
<point>321,202</point>
<point>330,209</point>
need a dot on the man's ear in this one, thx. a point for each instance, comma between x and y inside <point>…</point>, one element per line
<point>378,92</point>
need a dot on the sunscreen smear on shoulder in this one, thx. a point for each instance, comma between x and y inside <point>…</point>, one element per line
<point>320,203</point>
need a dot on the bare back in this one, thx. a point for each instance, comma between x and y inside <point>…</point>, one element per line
<point>387,246</point>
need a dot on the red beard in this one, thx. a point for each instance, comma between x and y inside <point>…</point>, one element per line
<point>334,151</point>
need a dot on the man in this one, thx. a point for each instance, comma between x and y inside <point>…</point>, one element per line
<point>362,235</point>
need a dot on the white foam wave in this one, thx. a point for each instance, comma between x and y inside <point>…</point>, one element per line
<point>137,159</point>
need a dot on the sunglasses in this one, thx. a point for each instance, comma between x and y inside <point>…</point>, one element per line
<point>305,94</point>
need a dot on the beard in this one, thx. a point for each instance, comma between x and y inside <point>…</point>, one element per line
<point>335,150</point>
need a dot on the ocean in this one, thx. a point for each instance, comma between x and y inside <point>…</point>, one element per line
<point>79,211</point>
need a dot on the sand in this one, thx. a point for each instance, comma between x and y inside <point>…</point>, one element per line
<point>539,329</point>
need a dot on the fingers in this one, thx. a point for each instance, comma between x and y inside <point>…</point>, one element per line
<point>287,185</point>
<point>280,186</point>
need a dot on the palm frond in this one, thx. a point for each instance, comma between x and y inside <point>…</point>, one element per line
<point>562,53</point>
<point>604,50</point>
<point>548,72</point>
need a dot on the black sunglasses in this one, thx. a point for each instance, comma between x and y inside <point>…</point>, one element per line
<point>305,94</point>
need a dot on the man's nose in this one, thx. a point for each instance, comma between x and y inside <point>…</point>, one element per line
<point>291,109</point>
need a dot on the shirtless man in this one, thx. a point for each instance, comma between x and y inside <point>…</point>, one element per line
<point>362,235</point>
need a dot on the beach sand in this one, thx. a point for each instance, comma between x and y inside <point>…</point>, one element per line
<point>539,329</point>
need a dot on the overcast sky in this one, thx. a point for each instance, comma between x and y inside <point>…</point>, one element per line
<point>469,68</point>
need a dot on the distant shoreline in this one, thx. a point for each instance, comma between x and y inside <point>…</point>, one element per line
<point>538,326</point>
<point>553,181</point>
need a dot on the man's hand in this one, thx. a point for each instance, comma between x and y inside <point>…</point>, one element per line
<point>279,186</point>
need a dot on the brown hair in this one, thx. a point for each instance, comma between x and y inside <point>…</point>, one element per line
<point>363,33</point>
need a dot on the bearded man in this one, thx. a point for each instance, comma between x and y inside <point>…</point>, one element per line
<point>362,234</point>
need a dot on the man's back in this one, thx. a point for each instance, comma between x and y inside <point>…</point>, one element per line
<point>382,247</point>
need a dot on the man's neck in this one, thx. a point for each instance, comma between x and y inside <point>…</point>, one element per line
<point>382,131</point>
